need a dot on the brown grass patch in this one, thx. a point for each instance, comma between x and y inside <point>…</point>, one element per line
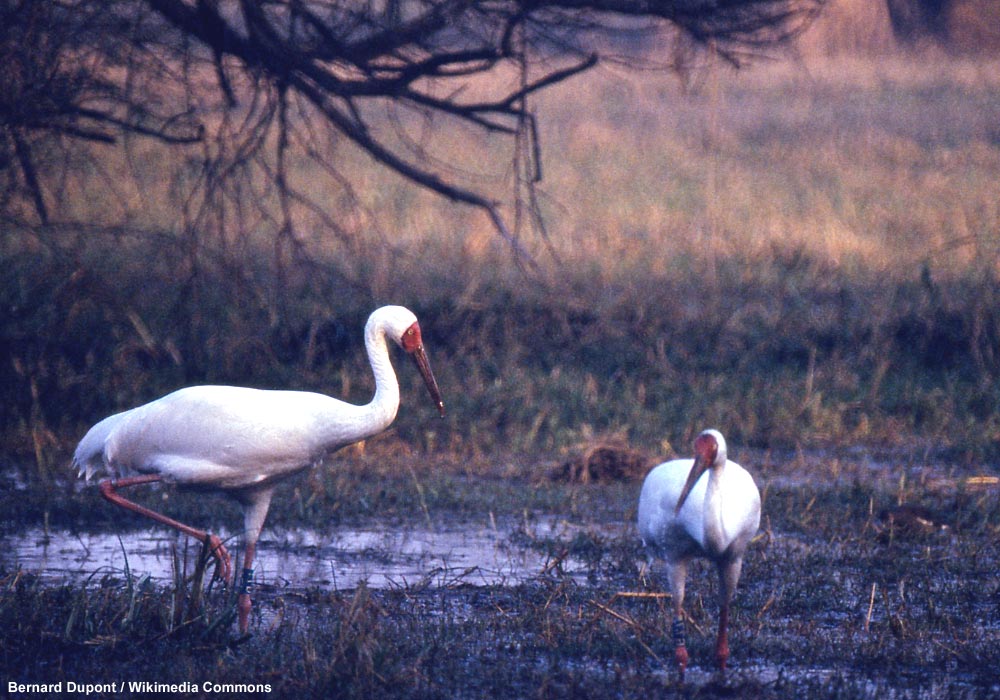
<point>602,461</point>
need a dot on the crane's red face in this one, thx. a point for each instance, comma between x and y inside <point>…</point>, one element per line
<point>706,450</point>
<point>412,343</point>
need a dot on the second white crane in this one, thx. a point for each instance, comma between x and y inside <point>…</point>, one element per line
<point>685,513</point>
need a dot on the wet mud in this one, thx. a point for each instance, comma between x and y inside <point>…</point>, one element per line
<point>845,594</point>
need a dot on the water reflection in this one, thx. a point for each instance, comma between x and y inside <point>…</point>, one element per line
<point>385,558</point>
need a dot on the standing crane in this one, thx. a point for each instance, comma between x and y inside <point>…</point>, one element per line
<point>243,442</point>
<point>685,513</point>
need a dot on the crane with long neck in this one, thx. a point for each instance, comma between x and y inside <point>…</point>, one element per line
<point>244,441</point>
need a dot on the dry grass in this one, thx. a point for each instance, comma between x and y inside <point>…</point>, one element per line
<point>876,165</point>
<point>876,162</point>
<point>715,252</point>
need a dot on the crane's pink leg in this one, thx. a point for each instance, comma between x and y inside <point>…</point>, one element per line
<point>243,604</point>
<point>729,576</point>
<point>255,504</point>
<point>722,642</point>
<point>223,563</point>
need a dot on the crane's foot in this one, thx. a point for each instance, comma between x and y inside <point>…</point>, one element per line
<point>722,653</point>
<point>223,562</point>
<point>681,659</point>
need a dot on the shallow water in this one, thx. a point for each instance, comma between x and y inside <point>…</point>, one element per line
<point>339,559</point>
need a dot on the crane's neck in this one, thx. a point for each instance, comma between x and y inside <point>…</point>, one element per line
<point>379,413</point>
<point>715,535</point>
<point>342,423</point>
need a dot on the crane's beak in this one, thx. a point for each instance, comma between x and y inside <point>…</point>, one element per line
<point>697,469</point>
<point>424,365</point>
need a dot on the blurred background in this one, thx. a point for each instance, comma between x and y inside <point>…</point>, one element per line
<point>801,248</point>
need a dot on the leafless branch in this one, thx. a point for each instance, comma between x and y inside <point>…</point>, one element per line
<point>338,55</point>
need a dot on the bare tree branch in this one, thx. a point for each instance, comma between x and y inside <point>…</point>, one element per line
<point>339,55</point>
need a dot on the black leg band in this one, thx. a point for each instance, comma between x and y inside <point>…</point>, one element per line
<point>678,631</point>
<point>247,581</point>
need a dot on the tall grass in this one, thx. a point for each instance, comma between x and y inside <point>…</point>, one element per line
<point>804,253</point>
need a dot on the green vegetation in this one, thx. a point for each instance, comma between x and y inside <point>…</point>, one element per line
<point>798,255</point>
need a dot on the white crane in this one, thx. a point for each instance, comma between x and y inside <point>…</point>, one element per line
<point>684,514</point>
<point>244,441</point>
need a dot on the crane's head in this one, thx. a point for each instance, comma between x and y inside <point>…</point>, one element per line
<point>401,325</point>
<point>709,452</point>
<point>413,344</point>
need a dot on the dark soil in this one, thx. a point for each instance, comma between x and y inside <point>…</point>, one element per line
<point>837,600</point>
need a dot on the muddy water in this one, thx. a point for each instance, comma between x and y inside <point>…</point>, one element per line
<point>340,559</point>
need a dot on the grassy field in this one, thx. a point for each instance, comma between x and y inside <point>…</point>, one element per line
<point>804,255</point>
<point>801,254</point>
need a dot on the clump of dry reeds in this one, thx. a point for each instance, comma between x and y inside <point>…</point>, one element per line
<point>603,460</point>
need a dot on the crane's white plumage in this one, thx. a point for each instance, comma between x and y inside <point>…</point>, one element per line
<point>235,437</point>
<point>243,441</point>
<point>223,436</point>
<point>705,507</point>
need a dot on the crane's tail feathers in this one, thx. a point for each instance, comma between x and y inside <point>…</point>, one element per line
<point>87,465</point>
<point>90,456</point>
<point>86,469</point>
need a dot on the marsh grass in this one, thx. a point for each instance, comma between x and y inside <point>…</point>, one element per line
<point>798,253</point>
<point>789,350</point>
<point>830,604</point>
<point>804,255</point>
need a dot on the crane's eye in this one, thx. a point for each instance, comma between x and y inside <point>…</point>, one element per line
<point>410,340</point>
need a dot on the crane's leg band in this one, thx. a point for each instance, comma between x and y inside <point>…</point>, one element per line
<point>678,632</point>
<point>247,582</point>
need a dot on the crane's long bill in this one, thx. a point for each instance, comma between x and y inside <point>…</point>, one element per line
<point>697,469</point>
<point>424,365</point>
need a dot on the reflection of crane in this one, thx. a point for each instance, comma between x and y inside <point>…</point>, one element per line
<point>244,441</point>
<point>683,516</point>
